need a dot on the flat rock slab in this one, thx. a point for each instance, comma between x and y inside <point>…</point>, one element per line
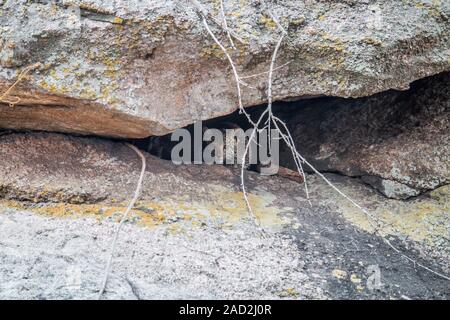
<point>139,68</point>
<point>190,235</point>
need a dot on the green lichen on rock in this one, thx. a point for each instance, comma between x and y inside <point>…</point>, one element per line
<point>123,57</point>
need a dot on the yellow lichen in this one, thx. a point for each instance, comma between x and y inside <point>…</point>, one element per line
<point>297,22</point>
<point>371,41</point>
<point>354,278</point>
<point>289,292</point>
<point>117,20</point>
<point>212,51</point>
<point>433,9</point>
<point>419,220</point>
<point>339,274</point>
<point>268,22</point>
<point>93,8</point>
<point>442,195</point>
<point>226,209</point>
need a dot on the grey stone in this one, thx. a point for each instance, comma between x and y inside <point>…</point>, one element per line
<point>137,68</point>
<point>398,141</point>
<point>391,189</point>
<point>191,236</point>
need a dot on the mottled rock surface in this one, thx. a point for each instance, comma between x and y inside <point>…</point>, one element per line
<point>190,235</point>
<point>398,142</point>
<point>139,68</point>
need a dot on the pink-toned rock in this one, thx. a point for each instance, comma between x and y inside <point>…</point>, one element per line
<point>140,68</point>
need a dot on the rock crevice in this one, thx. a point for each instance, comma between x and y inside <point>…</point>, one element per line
<point>134,69</point>
<point>398,142</point>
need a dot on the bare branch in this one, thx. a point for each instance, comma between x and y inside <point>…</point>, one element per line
<point>233,67</point>
<point>124,218</point>
<point>225,25</point>
<point>22,75</point>
<point>286,136</point>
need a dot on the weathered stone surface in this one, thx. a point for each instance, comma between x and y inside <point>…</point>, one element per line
<point>139,68</point>
<point>190,235</point>
<point>397,141</point>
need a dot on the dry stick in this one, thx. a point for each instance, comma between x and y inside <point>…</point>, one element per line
<point>202,10</point>
<point>204,14</point>
<point>269,86</point>
<point>233,67</point>
<point>290,142</point>
<point>225,25</point>
<point>22,74</point>
<point>298,163</point>
<point>266,72</point>
<point>247,146</point>
<point>270,116</point>
<point>255,128</point>
<point>124,218</point>
<point>376,229</point>
<point>366,212</point>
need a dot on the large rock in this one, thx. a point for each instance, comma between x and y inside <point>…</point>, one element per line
<point>140,68</point>
<point>396,141</point>
<point>190,235</point>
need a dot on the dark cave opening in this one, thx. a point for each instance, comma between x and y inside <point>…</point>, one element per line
<point>396,141</point>
<point>316,109</point>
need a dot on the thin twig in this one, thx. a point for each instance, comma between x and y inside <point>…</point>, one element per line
<point>291,144</point>
<point>371,219</point>
<point>247,147</point>
<point>22,75</point>
<point>270,82</point>
<point>124,218</point>
<point>225,25</point>
<point>202,10</point>
<point>268,110</point>
<point>233,67</point>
